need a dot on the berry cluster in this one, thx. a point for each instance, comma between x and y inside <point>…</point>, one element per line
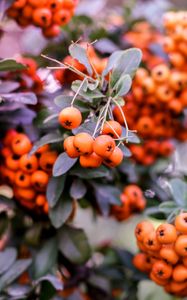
<point>174,43</point>
<point>66,76</point>
<point>28,175</point>
<point>28,78</point>
<point>132,201</point>
<point>164,254</point>
<point>146,153</point>
<point>154,108</point>
<point>92,152</point>
<point>49,15</point>
<point>142,35</point>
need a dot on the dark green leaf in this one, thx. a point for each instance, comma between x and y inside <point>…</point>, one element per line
<point>47,139</point>
<point>100,282</point>
<point>14,272</point>
<point>54,189</point>
<point>11,65</point>
<point>89,94</point>
<point>7,258</point>
<point>6,204</point>
<point>56,282</point>
<point>61,212</point>
<point>63,164</point>
<point>80,54</point>
<point>78,189</point>
<point>106,195</point>
<point>90,173</point>
<point>74,245</point>
<point>45,259</point>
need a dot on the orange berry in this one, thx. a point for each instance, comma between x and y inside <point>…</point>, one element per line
<point>28,164</point>
<point>180,273</point>
<point>181,223</point>
<point>70,118</point>
<point>21,144</point>
<point>36,3</point>
<point>160,73</point>
<point>25,194</point>
<point>142,229</point>
<point>42,17</point>
<point>181,245</point>
<point>142,262</point>
<point>115,159</point>
<point>39,180</point>
<point>41,199</point>
<point>168,253</point>
<point>69,147</point>
<point>113,129</point>
<point>151,242</point>
<point>62,17</point>
<point>83,142</point>
<point>47,160</point>
<point>12,162</point>
<point>90,161</point>
<point>22,180</point>
<point>162,270</point>
<point>166,234</point>
<point>19,3</point>
<point>104,146</point>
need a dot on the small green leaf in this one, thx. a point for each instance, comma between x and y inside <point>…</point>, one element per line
<point>87,126</point>
<point>63,101</point>
<point>167,207</point>
<point>78,189</point>
<point>7,258</point>
<point>45,259</point>
<point>112,61</point>
<point>179,191</point>
<point>74,245</point>
<point>127,63</point>
<point>14,272</point>
<point>55,188</point>
<point>123,85</point>
<point>80,54</point>
<point>89,94</point>
<point>61,212</point>
<point>25,98</point>
<point>11,65</point>
<point>125,150</point>
<point>63,164</point>
<point>90,173</point>
<point>47,139</point>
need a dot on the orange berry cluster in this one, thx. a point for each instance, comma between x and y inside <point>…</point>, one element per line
<point>92,152</point>
<point>132,201</point>
<point>143,35</point>
<point>174,43</point>
<point>164,254</point>
<point>27,78</point>
<point>149,151</point>
<point>28,175</point>
<point>49,15</point>
<point>67,76</point>
<point>154,108</point>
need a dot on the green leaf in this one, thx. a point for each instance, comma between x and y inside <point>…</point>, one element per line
<point>11,65</point>
<point>87,127</point>
<point>127,63</point>
<point>105,196</point>
<point>45,259</point>
<point>112,61</point>
<point>89,94</point>
<point>125,150</point>
<point>90,173</point>
<point>6,204</point>
<point>74,245</point>
<point>179,191</point>
<point>7,258</point>
<point>78,189</point>
<point>63,101</point>
<point>14,272</point>
<point>123,85</point>
<point>61,212</point>
<point>63,164</point>
<point>25,98</point>
<point>55,188</point>
<point>56,282</point>
<point>49,138</point>
<point>80,54</point>
<point>167,207</point>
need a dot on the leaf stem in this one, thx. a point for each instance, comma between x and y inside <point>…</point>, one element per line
<point>78,91</point>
